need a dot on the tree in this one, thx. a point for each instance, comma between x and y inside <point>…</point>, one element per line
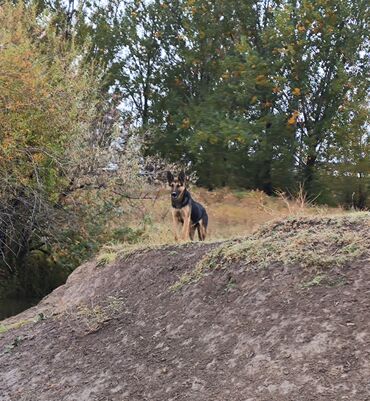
<point>247,93</point>
<point>321,48</point>
<point>45,102</point>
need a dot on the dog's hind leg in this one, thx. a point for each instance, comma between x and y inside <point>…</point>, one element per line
<point>202,230</point>
<point>192,232</point>
<point>199,233</point>
<point>204,225</point>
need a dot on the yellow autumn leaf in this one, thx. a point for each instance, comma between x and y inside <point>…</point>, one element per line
<point>296,92</point>
<point>293,118</point>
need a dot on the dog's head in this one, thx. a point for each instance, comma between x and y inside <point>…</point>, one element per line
<point>177,184</point>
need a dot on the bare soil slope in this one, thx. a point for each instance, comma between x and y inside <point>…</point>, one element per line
<point>283,315</point>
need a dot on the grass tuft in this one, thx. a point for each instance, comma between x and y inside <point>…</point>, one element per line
<point>94,316</point>
<point>21,323</point>
<point>105,258</point>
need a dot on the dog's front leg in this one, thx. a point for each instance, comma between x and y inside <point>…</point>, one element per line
<point>186,226</point>
<point>176,224</point>
<point>186,230</point>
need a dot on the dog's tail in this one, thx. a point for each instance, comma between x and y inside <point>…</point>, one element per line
<point>205,219</point>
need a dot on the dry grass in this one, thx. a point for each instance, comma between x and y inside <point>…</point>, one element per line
<point>20,323</point>
<point>106,257</point>
<point>313,243</point>
<point>92,317</point>
<point>231,213</point>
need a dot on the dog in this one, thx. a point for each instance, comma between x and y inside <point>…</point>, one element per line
<point>187,215</point>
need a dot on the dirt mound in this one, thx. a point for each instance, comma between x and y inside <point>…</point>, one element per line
<point>254,319</point>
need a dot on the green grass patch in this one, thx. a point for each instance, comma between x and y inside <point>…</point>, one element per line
<point>317,280</point>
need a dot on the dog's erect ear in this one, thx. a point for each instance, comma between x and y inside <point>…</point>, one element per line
<point>169,177</point>
<point>182,177</point>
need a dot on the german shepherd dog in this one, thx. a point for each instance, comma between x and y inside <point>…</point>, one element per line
<point>187,215</point>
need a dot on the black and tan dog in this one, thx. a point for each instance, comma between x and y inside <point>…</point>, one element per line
<point>187,214</point>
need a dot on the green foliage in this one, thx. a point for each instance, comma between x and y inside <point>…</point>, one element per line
<point>252,94</point>
<point>46,102</point>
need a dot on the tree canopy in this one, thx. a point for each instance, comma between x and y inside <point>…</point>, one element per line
<point>46,103</point>
<point>253,94</point>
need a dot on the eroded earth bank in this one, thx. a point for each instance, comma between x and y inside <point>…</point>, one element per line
<point>281,315</point>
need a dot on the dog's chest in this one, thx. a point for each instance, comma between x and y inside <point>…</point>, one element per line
<point>182,214</point>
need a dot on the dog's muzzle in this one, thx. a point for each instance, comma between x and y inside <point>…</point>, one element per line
<point>174,195</point>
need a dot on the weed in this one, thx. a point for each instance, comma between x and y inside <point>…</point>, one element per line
<point>123,251</point>
<point>13,344</point>
<point>17,325</point>
<point>209,261</point>
<point>114,304</point>
<point>231,284</point>
<point>324,279</point>
<point>93,317</point>
<point>317,280</point>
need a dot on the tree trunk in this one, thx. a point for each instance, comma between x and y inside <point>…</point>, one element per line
<point>309,174</point>
<point>265,177</point>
